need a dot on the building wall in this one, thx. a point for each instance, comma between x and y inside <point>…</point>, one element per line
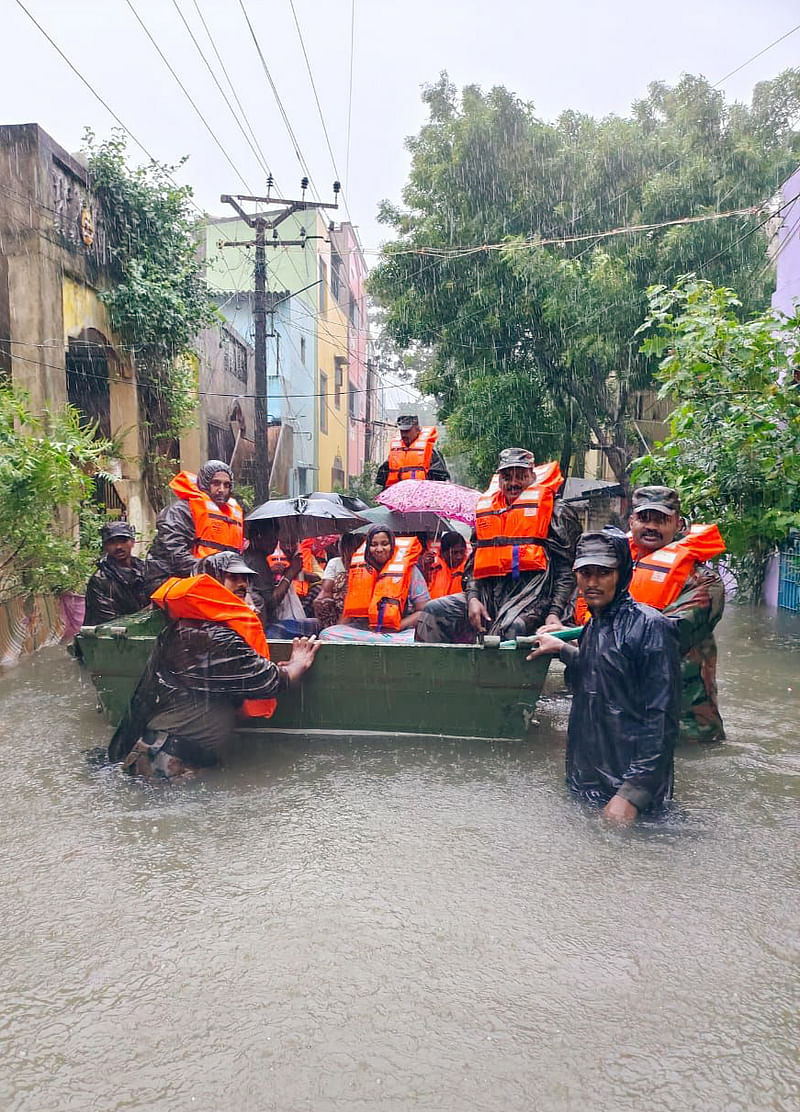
<point>787,253</point>
<point>53,264</point>
<point>292,354</point>
<point>348,259</point>
<point>333,427</point>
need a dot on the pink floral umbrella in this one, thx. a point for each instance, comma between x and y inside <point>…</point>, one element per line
<point>447,499</point>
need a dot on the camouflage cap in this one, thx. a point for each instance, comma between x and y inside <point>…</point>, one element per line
<point>663,499</point>
<point>237,566</point>
<point>120,530</point>
<point>515,457</point>
<point>595,550</point>
<point>407,421</point>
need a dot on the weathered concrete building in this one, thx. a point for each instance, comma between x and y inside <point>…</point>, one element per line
<point>56,342</point>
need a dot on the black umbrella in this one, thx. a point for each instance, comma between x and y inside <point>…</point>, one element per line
<point>354,504</point>
<point>302,517</point>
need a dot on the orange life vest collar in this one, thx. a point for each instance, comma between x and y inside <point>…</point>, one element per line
<point>659,577</point>
<point>381,596</point>
<point>414,461</point>
<point>202,598</point>
<point>446,580</point>
<point>506,534</point>
<point>216,528</point>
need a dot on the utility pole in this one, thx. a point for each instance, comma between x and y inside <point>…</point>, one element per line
<point>283,208</point>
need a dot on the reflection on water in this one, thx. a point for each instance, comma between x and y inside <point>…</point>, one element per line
<point>391,925</point>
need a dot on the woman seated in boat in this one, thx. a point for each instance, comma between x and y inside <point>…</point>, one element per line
<point>386,591</point>
<point>329,603</point>
<point>448,567</point>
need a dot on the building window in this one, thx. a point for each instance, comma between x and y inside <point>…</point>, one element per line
<point>303,350</point>
<point>323,402</point>
<point>338,380</point>
<point>337,473</point>
<point>353,403</point>
<point>355,313</point>
<point>235,357</point>
<point>323,287</point>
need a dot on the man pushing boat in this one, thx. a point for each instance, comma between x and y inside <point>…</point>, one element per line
<point>209,664</point>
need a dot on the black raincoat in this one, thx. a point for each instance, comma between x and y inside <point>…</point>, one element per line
<point>115,590</point>
<point>198,674</point>
<point>625,674</point>
<point>171,551</point>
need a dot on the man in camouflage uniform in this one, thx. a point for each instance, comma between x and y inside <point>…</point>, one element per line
<point>655,522</point>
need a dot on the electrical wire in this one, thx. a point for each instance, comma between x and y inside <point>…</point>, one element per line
<point>256,152</point>
<point>316,98</point>
<point>232,87</point>
<point>87,83</point>
<point>188,96</point>
<point>758,55</point>
<point>278,100</point>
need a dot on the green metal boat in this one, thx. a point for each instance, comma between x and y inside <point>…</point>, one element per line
<point>465,691</point>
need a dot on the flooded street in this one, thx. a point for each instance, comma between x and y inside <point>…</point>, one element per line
<point>350,924</point>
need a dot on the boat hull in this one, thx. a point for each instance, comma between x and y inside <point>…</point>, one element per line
<point>439,690</point>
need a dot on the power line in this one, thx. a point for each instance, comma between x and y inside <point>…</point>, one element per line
<point>87,83</point>
<point>749,60</point>
<point>187,94</point>
<point>230,84</point>
<point>278,100</point>
<point>258,156</point>
<point>316,98</point>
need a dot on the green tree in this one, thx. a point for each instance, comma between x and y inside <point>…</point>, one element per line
<point>157,298</point>
<point>533,339</point>
<point>46,475</point>
<point>734,447</point>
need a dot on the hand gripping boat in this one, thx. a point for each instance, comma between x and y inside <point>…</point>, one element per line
<point>465,691</point>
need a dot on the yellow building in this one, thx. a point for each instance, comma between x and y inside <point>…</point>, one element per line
<point>333,397</point>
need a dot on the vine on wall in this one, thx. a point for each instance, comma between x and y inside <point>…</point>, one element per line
<point>157,300</point>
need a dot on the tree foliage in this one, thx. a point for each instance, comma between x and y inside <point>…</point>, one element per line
<point>542,306</point>
<point>734,447</point>
<point>46,474</point>
<point>157,299</point>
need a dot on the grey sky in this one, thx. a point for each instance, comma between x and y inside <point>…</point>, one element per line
<point>583,54</point>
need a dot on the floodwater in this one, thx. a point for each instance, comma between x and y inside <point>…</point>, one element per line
<point>347,924</point>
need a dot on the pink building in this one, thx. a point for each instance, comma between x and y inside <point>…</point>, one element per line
<point>348,275</point>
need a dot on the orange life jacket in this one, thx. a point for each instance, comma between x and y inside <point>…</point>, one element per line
<point>216,528</point>
<point>581,611</point>
<point>302,586</point>
<point>201,597</point>
<point>381,596</point>
<point>413,462</point>
<point>506,534</point>
<point>658,577</point>
<point>446,580</point>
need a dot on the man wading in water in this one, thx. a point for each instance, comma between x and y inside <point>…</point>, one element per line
<point>625,674</point>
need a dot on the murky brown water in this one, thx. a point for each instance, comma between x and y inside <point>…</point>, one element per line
<point>380,926</point>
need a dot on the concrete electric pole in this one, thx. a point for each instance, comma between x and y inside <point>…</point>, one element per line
<point>280,208</point>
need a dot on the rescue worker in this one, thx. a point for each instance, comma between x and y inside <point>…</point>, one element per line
<point>386,590</point>
<point>412,455</point>
<point>282,611</point>
<point>204,519</point>
<point>210,662</point>
<point>117,587</point>
<point>670,573</point>
<point>519,573</point>
<point>448,567</point>
<point>623,723</point>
